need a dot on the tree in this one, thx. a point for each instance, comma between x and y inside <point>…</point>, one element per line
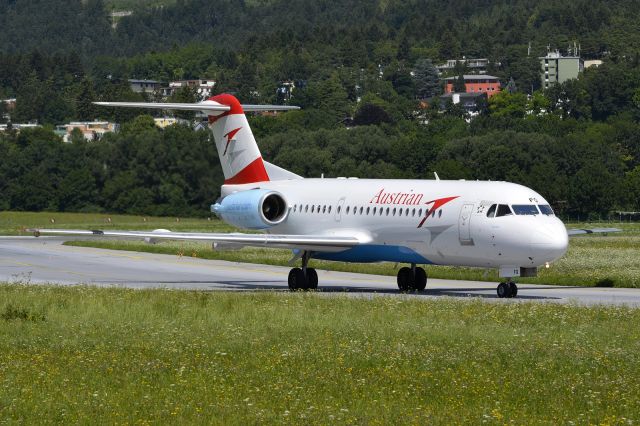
<point>505,104</point>
<point>427,81</point>
<point>85,109</point>
<point>372,110</point>
<point>185,95</point>
<point>404,49</point>
<point>459,85</point>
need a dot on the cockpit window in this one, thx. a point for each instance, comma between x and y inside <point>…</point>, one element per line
<point>525,209</point>
<point>546,209</point>
<point>503,210</point>
<point>492,210</point>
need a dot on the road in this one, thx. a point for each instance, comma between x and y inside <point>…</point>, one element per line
<point>46,260</point>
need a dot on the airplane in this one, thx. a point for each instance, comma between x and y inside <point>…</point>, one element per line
<point>484,224</point>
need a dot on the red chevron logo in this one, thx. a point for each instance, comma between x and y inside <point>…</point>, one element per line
<point>229,137</point>
<point>436,205</point>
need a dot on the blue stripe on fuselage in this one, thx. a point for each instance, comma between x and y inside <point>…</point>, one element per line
<point>375,253</point>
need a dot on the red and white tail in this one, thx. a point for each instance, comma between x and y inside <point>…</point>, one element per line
<point>239,154</point>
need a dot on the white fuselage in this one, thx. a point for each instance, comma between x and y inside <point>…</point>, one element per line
<point>421,221</point>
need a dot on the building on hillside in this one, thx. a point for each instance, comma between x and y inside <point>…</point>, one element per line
<point>91,130</point>
<point>472,65</point>
<point>18,126</point>
<point>592,63</point>
<point>163,122</point>
<point>144,86</point>
<point>473,103</point>
<point>9,105</point>
<point>475,84</point>
<point>286,88</point>
<point>558,69</point>
<point>117,15</point>
<point>203,87</point>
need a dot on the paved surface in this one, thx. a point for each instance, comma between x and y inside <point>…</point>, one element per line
<point>46,260</point>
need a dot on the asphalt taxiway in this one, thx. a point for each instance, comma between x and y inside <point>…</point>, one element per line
<point>46,260</point>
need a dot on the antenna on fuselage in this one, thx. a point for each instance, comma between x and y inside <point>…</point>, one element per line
<point>436,175</point>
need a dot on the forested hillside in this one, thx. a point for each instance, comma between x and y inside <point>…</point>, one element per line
<point>361,66</point>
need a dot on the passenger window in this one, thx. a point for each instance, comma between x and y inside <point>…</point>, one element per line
<point>503,210</point>
<point>440,213</point>
<point>347,209</point>
<point>306,208</point>
<point>492,210</point>
<point>312,208</point>
<point>414,213</point>
<point>329,209</point>
<point>374,210</point>
<point>361,210</point>
<point>387,211</point>
<point>295,207</point>
<point>367,211</point>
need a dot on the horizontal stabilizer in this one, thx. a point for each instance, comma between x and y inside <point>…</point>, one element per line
<point>206,106</point>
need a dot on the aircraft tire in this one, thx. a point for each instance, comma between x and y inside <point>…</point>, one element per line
<point>513,289</point>
<point>312,279</point>
<point>405,279</point>
<point>503,290</point>
<point>297,279</point>
<point>420,280</point>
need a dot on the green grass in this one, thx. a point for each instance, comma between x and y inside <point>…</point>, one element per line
<point>15,223</point>
<point>87,355</point>
<point>591,259</point>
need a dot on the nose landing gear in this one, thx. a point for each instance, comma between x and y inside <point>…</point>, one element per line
<point>410,279</point>
<point>507,289</point>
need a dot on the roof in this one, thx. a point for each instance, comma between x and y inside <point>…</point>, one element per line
<point>475,77</point>
<point>132,80</point>
<point>464,95</point>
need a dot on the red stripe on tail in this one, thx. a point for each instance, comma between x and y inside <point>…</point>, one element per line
<point>254,172</point>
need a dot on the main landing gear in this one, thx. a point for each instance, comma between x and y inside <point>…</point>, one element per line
<point>507,289</point>
<point>412,279</point>
<point>304,278</point>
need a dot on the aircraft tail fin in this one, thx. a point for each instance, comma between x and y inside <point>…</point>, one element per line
<point>237,148</point>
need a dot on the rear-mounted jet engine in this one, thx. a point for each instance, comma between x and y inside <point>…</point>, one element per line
<point>253,209</point>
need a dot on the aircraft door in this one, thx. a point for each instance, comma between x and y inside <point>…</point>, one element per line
<point>339,208</point>
<point>464,225</point>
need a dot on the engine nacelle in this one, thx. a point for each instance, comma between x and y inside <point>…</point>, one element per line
<point>253,209</point>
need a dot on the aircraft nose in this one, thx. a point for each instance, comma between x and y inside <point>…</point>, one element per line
<point>550,242</point>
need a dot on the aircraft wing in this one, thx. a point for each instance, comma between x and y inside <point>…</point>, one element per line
<point>572,232</point>
<point>303,242</point>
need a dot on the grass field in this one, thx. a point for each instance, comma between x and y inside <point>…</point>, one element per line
<point>92,355</point>
<point>591,260</point>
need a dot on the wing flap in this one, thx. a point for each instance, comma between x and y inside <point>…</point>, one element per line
<point>304,242</point>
